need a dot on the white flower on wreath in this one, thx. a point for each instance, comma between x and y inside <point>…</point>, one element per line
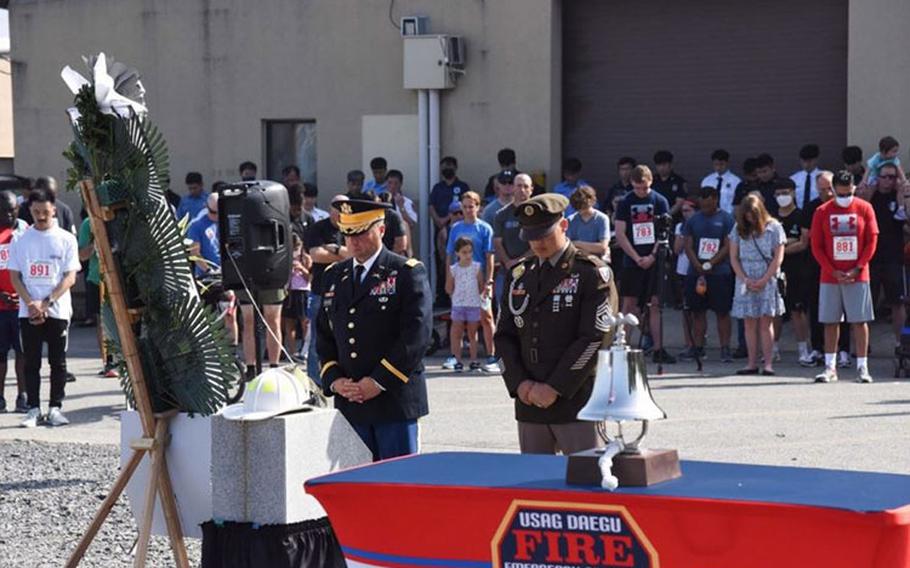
<point>118,90</point>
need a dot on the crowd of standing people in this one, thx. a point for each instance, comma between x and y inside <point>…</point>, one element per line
<point>818,250</point>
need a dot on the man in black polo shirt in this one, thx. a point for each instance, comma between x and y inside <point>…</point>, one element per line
<point>606,199</point>
<point>886,194</point>
<point>668,183</point>
<point>766,179</point>
<point>447,191</point>
<point>853,163</point>
<point>325,245</point>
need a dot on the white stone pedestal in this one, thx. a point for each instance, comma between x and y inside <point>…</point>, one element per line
<point>259,468</point>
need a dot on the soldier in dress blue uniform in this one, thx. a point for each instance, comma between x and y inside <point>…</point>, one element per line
<point>551,325</point>
<point>372,332</point>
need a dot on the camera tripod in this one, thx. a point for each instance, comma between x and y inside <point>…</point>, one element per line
<point>656,289</point>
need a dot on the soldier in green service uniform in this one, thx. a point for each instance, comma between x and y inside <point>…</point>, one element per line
<point>552,323</point>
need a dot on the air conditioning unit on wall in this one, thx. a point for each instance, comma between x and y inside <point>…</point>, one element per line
<point>432,61</point>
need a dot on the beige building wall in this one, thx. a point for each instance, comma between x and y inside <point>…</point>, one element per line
<point>6,110</point>
<point>878,74</point>
<point>215,70</point>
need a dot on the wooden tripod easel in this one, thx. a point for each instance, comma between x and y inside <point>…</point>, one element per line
<point>154,427</point>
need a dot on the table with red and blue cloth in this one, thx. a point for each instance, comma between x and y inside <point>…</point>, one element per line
<point>479,510</point>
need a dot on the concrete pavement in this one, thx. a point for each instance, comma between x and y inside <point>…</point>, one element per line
<point>784,420</point>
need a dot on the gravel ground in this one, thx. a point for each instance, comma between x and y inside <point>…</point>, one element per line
<point>46,506</point>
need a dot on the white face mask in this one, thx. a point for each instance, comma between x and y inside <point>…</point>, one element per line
<point>843,201</point>
<point>784,200</point>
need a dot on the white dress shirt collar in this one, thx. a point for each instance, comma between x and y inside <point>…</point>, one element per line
<point>368,263</point>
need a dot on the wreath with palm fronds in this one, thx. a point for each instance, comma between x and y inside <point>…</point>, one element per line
<point>187,358</point>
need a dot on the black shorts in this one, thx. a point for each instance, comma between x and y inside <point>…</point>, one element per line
<point>9,333</point>
<point>638,283</point>
<point>798,289</point>
<point>294,307</point>
<point>718,298</point>
<point>891,278</point>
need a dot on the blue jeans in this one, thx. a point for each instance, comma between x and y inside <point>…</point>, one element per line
<point>314,302</point>
<point>389,439</point>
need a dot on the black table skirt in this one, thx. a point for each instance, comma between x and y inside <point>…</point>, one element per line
<point>239,545</point>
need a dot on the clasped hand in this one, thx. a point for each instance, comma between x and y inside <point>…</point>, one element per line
<point>756,285</point>
<point>360,391</point>
<point>537,394</point>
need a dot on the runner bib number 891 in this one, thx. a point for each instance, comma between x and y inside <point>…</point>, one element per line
<point>41,270</point>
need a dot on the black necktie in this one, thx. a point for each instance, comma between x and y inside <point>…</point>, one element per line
<point>807,187</point>
<point>545,269</point>
<point>720,183</point>
<point>358,276</point>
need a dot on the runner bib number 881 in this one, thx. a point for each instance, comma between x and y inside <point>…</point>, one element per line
<point>845,248</point>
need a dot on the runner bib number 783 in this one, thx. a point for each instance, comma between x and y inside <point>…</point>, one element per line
<point>643,233</point>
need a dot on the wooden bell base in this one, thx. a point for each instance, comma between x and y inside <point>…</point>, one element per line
<point>632,470</point>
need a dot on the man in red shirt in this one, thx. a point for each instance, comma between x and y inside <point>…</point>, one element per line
<point>10,228</point>
<point>844,237</point>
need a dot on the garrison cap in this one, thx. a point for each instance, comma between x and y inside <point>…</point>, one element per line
<point>539,215</point>
<point>358,215</point>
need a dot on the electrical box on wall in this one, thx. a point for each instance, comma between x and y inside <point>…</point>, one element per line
<point>432,61</point>
<point>415,25</point>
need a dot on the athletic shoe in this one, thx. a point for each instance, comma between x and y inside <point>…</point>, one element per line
<point>449,363</point>
<point>476,367</point>
<point>22,403</point>
<point>661,356</point>
<point>740,353</point>
<point>808,360</point>
<point>56,418</point>
<point>2,404</point>
<point>491,366</point>
<point>843,360</point>
<point>688,355</point>
<point>31,419</point>
<point>829,375</point>
<point>70,378</point>
<point>459,367</point>
<point>110,371</point>
<point>863,376</point>
<point>725,355</point>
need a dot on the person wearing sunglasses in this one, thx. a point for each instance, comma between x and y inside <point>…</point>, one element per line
<point>887,195</point>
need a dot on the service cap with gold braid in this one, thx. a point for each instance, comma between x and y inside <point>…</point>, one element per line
<point>358,215</point>
<point>539,215</point>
